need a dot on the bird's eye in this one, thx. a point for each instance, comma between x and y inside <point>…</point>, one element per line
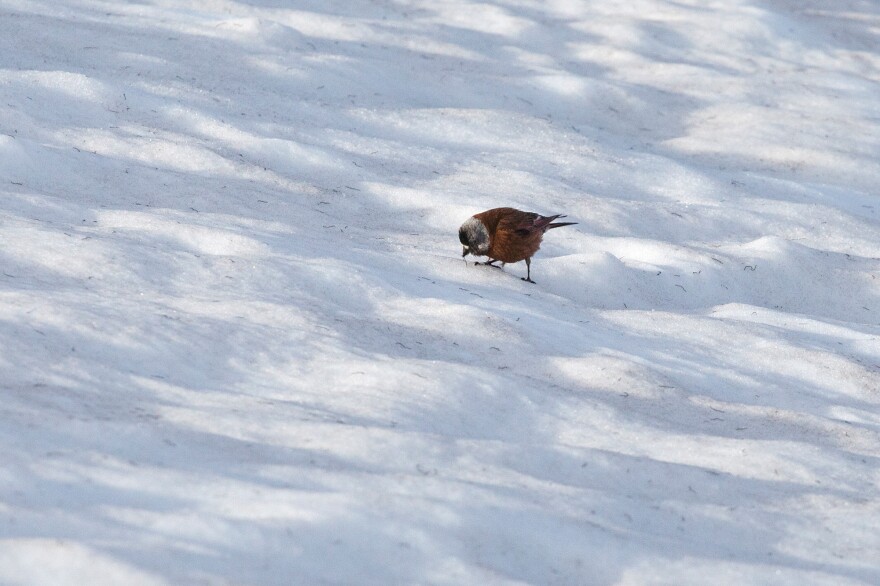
<point>462,237</point>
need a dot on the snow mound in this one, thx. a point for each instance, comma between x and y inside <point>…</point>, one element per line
<point>240,344</point>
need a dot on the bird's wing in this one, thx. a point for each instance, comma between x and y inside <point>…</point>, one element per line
<point>529,223</point>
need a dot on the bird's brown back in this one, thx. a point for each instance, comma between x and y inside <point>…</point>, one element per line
<point>510,239</point>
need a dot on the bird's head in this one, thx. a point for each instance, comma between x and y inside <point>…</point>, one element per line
<point>474,238</point>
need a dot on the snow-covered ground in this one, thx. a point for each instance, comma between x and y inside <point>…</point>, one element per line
<point>238,343</point>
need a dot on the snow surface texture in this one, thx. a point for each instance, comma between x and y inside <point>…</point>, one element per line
<point>239,343</point>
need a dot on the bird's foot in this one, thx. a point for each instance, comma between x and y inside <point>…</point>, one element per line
<point>528,280</point>
<point>489,263</point>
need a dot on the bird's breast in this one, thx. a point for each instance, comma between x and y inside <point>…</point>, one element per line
<point>509,247</point>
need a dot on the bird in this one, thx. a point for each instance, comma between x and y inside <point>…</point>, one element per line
<point>507,235</point>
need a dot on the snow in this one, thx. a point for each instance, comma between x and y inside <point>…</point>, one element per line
<point>240,346</point>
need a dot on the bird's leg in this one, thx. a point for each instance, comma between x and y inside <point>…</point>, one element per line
<point>528,277</point>
<point>490,263</point>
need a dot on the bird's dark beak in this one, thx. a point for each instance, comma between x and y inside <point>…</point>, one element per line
<point>464,251</point>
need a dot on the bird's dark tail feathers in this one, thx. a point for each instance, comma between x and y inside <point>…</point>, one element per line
<point>560,224</point>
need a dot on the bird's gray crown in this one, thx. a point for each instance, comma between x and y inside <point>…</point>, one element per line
<point>474,236</point>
